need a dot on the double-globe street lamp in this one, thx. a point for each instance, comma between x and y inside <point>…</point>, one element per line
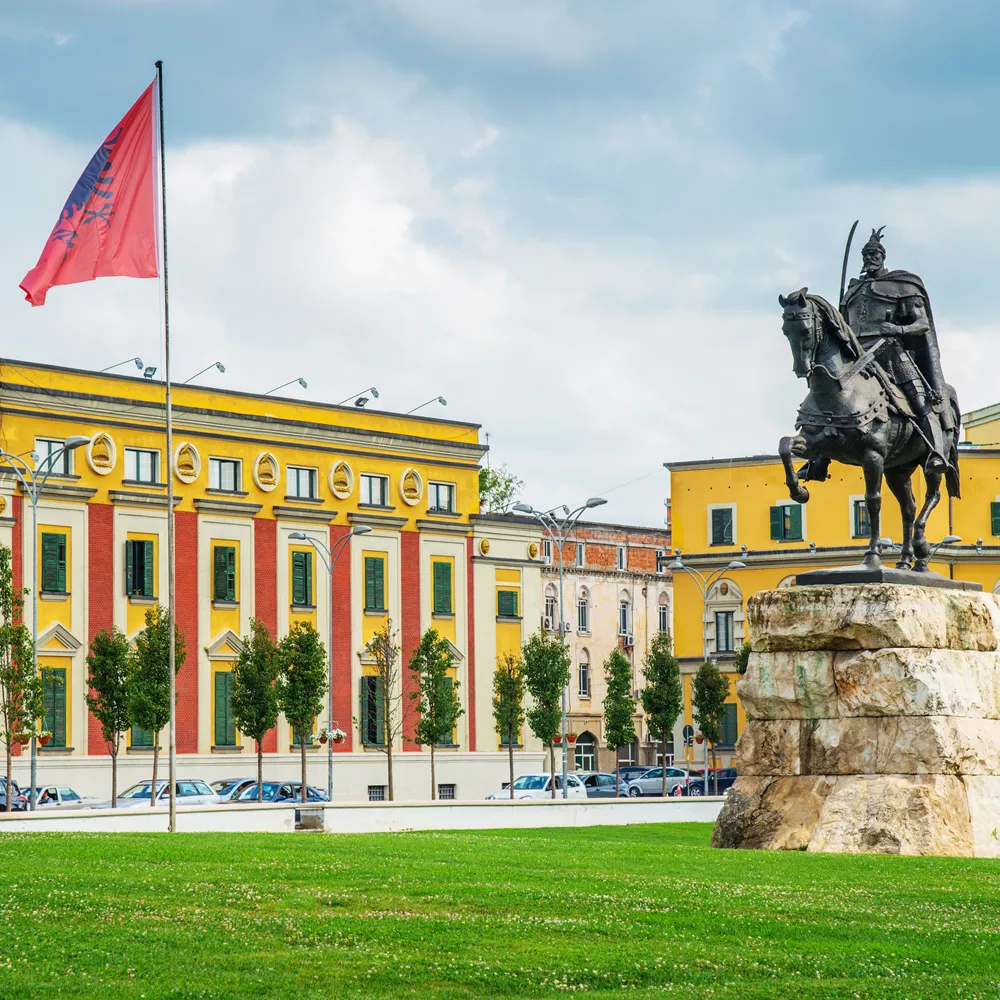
<point>330,557</point>
<point>704,584</point>
<point>32,482</point>
<point>559,530</point>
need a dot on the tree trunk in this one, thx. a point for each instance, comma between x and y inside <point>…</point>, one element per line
<point>260,773</point>
<point>618,767</point>
<point>510,757</point>
<point>9,805</point>
<point>114,776</point>
<point>388,767</point>
<point>715,770</point>
<point>663,761</point>
<point>156,761</point>
<point>552,769</point>
<point>433,785</point>
<point>302,752</point>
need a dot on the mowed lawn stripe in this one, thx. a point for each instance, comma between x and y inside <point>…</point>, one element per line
<point>650,910</point>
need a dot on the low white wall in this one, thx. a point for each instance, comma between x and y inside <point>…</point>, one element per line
<point>377,817</point>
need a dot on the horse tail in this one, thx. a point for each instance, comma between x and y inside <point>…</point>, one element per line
<point>951,477</point>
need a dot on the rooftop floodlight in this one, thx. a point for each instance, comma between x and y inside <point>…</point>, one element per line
<point>360,402</point>
<point>436,399</point>
<point>136,361</point>
<point>214,364</point>
<point>812,548</point>
<point>354,395</point>
<point>979,546</point>
<point>149,371</point>
<point>595,502</point>
<point>301,381</point>
<point>743,551</point>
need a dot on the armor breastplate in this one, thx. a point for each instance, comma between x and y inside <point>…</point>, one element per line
<point>867,311</point>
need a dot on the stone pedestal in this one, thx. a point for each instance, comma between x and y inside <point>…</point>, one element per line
<point>875,723</point>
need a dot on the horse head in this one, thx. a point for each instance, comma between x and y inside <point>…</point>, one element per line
<point>807,320</point>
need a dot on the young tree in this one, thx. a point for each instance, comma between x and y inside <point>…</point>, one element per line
<point>149,678</point>
<point>546,673</point>
<point>436,695</point>
<point>711,689</point>
<point>619,705</point>
<point>301,683</point>
<point>255,691</point>
<point>663,696</point>
<point>498,489</point>
<point>20,685</point>
<point>383,649</point>
<point>508,704</point>
<point>108,693</point>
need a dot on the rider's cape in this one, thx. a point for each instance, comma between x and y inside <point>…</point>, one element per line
<point>893,285</point>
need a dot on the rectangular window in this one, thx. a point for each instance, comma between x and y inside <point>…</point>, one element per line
<point>621,558</point>
<point>507,603</point>
<point>376,793</point>
<point>224,474</point>
<point>724,631</point>
<point>141,466</point>
<point>664,621</point>
<point>729,733</point>
<point>547,551</point>
<point>995,518</point>
<point>301,482</point>
<point>139,567</point>
<point>142,737</point>
<point>449,683</point>
<point>862,529</point>
<point>661,560</point>
<point>442,588</point>
<point>550,611</point>
<point>375,490</point>
<point>54,704</point>
<point>441,496</point>
<point>372,712</point>
<point>584,678</point>
<point>722,526</point>
<point>53,563</point>
<point>224,582</point>
<point>302,579</point>
<point>46,448</point>
<point>374,583</point>
<point>623,618</point>
<point>786,523</point>
<point>446,791</point>
<point>225,724</point>
<point>583,615</point>
<point>580,555</point>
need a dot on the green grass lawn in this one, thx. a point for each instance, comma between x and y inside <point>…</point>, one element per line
<point>648,910</point>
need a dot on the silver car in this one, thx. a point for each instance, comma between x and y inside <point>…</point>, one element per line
<point>651,783</point>
<point>190,792</point>
<point>600,785</point>
<point>62,797</point>
<point>230,789</point>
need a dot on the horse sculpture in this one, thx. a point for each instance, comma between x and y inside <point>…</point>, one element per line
<point>854,414</point>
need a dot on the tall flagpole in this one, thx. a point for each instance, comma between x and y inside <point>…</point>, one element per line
<point>171,610</point>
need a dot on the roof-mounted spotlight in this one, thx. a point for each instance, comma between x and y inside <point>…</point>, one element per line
<point>149,371</point>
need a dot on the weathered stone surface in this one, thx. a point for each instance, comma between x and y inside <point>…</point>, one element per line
<point>983,791</point>
<point>770,747</point>
<point>871,616</point>
<point>937,745</point>
<point>915,682</point>
<point>808,746</point>
<point>789,685</point>
<point>895,814</point>
<point>777,814</point>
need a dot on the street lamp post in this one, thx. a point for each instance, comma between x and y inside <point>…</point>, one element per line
<point>330,557</point>
<point>32,482</point>
<point>705,584</point>
<point>559,531</point>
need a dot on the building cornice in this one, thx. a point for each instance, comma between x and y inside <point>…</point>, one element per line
<point>129,498</point>
<point>746,461</point>
<point>311,514</point>
<point>376,520</point>
<point>442,527</point>
<point>624,576</point>
<point>231,508</point>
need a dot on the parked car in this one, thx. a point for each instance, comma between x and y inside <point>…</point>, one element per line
<point>62,797</point>
<point>230,788</point>
<point>280,791</point>
<point>190,792</point>
<point>727,775</point>
<point>651,782</point>
<point>629,772</point>
<point>19,800</point>
<point>538,786</point>
<point>600,785</point>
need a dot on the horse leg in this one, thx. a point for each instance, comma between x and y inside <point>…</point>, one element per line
<point>871,464</point>
<point>787,447</point>
<point>921,547</point>
<point>899,482</point>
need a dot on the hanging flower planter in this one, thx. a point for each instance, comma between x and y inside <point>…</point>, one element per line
<point>338,736</point>
<point>44,738</point>
<point>571,737</point>
<point>557,739</point>
<point>322,739</point>
<point>24,739</point>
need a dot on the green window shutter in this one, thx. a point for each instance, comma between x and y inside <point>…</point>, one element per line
<point>308,578</point>
<point>53,562</point>
<point>370,582</point>
<point>379,710</point>
<point>231,574</point>
<point>722,526</point>
<point>442,588</point>
<point>729,734</point>
<point>54,704</point>
<point>299,578</point>
<point>507,603</point>
<point>995,518</point>
<point>365,728</point>
<point>380,584</point>
<point>142,737</point>
<point>225,724</point>
<point>795,512</point>
<point>147,569</point>
<point>220,589</point>
<point>129,556</point>
<point>777,523</point>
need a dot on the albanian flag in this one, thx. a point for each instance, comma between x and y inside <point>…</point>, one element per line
<point>108,224</point>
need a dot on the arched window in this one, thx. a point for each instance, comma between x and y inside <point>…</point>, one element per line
<point>663,614</point>
<point>583,674</point>
<point>586,752</point>
<point>624,614</point>
<point>724,618</point>
<point>788,581</point>
<point>551,607</point>
<point>583,611</point>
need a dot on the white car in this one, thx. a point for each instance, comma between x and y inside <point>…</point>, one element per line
<point>190,792</point>
<point>538,786</point>
<point>62,797</point>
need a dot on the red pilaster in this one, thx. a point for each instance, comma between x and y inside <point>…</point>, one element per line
<point>409,630</point>
<point>340,641</point>
<point>471,672</point>
<point>186,563</point>
<point>100,593</point>
<point>265,568</point>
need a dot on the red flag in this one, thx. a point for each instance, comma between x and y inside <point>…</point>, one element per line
<point>108,224</point>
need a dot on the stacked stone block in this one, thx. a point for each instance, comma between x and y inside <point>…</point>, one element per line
<point>875,723</point>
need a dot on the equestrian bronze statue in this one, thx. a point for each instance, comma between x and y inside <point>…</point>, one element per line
<point>877,396</point>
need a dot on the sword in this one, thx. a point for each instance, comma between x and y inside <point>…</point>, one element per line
<point>843,270</point>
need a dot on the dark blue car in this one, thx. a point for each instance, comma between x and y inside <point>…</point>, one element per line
<point>281,791</point>
<point>727,775</point>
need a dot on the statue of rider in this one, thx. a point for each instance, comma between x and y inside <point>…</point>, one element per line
<point>894,306</point>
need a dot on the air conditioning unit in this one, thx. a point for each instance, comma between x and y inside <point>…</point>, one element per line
<point>630,640</point>
<point>547,623</point>
<point>567,627</point>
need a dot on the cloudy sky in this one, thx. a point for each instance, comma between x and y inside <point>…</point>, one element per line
<point>571,218</point>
